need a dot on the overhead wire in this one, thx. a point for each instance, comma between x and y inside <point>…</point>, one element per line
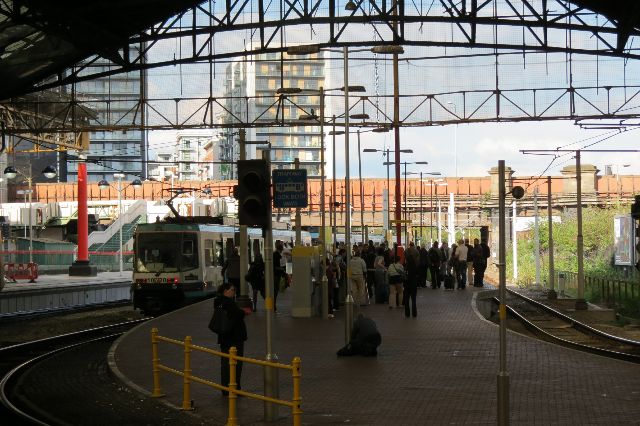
<point>600,138</point>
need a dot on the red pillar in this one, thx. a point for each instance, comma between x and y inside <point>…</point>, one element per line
<point>83,211</point>
<point>81,266</point>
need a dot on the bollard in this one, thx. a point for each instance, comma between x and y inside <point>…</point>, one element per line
<point>561,283</point>
<point>297,400</point>
<point>271,389</point>
<point>157,391</point>
<point>325,297</point>
<point>232,420</point>
<point>186,377</point>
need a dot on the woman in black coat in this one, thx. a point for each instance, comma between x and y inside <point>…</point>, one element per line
<point>236,335</point>
<point>411,287</point>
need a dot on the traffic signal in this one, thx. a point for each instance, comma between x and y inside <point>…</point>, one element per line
<point>254,193</point>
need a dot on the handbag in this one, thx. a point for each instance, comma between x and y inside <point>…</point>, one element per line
<point>220,322</point>
<point>398,278</point>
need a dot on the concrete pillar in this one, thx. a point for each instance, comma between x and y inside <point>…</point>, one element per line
<point>508,174</point>
<point>588,174</point>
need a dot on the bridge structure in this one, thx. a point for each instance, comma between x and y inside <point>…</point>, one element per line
<point>475,198</point>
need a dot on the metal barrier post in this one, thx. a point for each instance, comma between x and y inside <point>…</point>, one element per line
<point>232,419</point>
<point>186,377</point>
<point>325,295</point>
<point>232,387</point>
<point>561,283</point>
<point>296,411</point>
<point>157,391</point>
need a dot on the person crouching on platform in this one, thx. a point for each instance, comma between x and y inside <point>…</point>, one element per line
<point>365,338</point>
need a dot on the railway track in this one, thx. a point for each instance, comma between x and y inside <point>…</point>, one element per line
<point>16,360</point>
<point>553,326</point>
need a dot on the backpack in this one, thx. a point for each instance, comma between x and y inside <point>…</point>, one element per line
<point>255,275</point>
<point>486,252</point>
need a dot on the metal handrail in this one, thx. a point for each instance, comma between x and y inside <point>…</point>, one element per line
<point>611,290</point>
<point>233,390</point>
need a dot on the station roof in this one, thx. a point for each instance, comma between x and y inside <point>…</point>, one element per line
<point>41,38</point>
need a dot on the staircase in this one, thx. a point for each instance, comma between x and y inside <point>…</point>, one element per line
<point>113,244</point>
<point>108,241</point>
<point>97,238</point>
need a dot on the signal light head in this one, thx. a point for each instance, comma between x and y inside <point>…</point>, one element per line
<point>254,193</point>
<point>252,181</point>
<point>517,192</point>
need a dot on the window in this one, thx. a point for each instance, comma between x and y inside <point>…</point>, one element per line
<point>189,252</point>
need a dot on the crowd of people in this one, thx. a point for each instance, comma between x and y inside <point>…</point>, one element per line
<point>378,272</point>
<point>390,274</point>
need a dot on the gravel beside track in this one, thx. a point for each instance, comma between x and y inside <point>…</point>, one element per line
<point>76,387</point>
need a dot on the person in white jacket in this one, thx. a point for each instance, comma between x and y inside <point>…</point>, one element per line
<point>358,273</point>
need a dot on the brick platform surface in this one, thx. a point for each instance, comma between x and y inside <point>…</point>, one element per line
<point>437,369</point>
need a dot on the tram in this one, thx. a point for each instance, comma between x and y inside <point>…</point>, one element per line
<point>180,261</point>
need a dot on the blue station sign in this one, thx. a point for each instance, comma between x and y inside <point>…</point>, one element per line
<point>289,188</point>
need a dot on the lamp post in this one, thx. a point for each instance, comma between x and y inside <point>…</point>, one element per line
<point>334,203</point>
<point>385,152</point>
<point>433,182</point>
<point>430,181</point>
<point>103,184</point>
<point>405,187</point>
<point>406,228</point>
<point>11,172</point>
<point>25,193</point>
<point>347,236</point>
<point>608,170</point>
<point>503,375</point>
<point>455,139</point>
<point>119,177</point>
<point>385,49</point>
<point>321,93</point>
<point>361,191</point>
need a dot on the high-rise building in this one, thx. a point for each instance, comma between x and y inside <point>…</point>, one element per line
<point>117,101</point>
<point>235,92</point>
<point>162,168</point>
<point>190,149</point>
<point>259,80</point>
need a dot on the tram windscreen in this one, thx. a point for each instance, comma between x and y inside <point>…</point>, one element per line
<point>166,252</point>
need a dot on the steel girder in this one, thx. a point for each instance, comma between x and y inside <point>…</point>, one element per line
<point>504,26</point>
<point>488,24</point>
<point>560,103</point>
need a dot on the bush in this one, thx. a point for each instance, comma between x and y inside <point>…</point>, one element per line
<point>598,238</point>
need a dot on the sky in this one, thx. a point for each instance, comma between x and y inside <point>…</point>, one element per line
<point>479,148</point>
<point>447,73</point>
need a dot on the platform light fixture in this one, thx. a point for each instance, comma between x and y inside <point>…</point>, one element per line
<point>11,173</point>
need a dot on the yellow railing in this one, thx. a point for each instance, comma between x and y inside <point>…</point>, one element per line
<point>233,390</point>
